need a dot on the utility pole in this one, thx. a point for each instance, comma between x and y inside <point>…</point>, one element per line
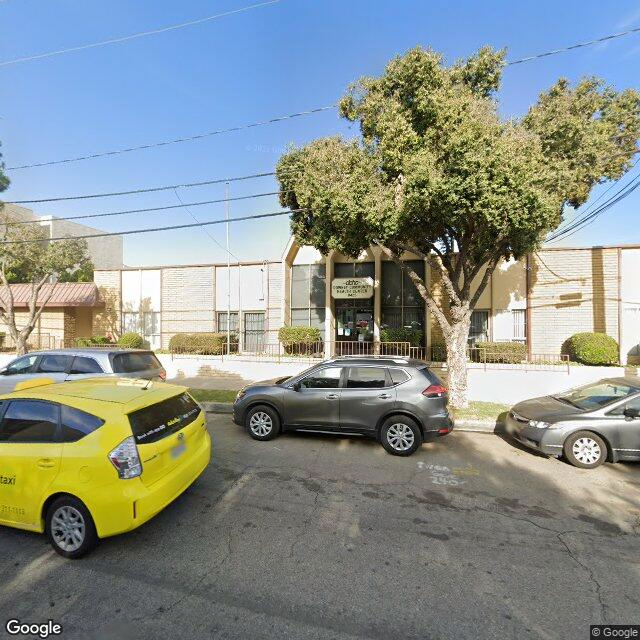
<point>226,211</point>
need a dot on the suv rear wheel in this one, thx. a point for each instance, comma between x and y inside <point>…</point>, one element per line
<point>262,423</point>
<point>400,435</point>
<point>70,528</point>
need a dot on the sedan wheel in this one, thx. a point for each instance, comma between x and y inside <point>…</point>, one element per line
<point>585,450</point>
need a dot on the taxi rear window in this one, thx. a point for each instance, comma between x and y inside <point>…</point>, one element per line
<point>160,420</point>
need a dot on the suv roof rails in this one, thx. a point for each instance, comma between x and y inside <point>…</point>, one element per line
<point>397,359</point>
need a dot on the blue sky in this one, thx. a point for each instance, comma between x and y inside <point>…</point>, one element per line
<point>274,60</point>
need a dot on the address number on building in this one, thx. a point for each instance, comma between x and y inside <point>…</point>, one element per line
<point>347,288</point>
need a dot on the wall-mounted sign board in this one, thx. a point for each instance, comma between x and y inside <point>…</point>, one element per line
<point>351,288</point>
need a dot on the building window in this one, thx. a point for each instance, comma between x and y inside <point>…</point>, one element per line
<point>402,305</point>
<point>222,321</point>
<point>308,288</point>
<point>479,330</point>
<point>519,325</point>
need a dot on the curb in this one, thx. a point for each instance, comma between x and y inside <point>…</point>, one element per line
<point>474,426</point>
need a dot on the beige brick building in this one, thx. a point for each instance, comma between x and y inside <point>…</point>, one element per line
<point>541,301</point>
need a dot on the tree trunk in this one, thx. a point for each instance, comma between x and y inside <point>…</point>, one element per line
<point>456,343</point>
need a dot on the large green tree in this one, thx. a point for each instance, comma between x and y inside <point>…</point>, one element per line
<point>438,172</point>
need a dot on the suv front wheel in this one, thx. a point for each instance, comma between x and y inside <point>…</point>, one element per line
<point>400,435</point>
<point>262,423</point>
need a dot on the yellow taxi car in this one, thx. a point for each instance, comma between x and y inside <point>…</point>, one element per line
<point>94,458</point>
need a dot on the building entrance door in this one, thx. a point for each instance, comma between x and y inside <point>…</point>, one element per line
<point>354,324</point>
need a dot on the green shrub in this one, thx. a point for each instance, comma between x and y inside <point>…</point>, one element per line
<point>402,334</point>
<point>213,344</point>
<point>438,352</point>
<point>591,349</point>
<point>506,352</point>
<point>299,340</point>
<point>131,341</point>
<point>93,341</point>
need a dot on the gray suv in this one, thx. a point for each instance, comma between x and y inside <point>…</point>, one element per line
<point>72,364</point>
<point>400,402</point>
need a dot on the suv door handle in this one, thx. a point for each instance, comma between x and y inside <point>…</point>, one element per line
<point>46,463</point>
<point>331,396</point>
<point>384,396</point>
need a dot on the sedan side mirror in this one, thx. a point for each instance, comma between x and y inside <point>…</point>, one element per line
<point>296,386</point>
<point>631,413</point>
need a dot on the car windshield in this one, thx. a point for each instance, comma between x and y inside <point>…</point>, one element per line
<point>596,395</point>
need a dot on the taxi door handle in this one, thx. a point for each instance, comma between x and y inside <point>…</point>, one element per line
<point>46,463</point>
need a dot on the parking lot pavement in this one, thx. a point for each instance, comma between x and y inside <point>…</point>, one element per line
<point>312,536</point>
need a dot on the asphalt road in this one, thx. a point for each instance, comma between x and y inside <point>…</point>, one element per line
<point>310,536</point>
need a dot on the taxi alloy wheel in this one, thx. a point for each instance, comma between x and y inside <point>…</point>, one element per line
<point>70,527</point>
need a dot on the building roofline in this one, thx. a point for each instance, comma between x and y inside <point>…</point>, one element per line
<point>631,245</point>
<point>243,263</point>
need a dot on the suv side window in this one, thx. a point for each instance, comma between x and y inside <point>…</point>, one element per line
<point>85,365</point>
<point>21,365</point>
<point>77,424</point>
<point>54,363</point>
<point>398,376</point>
<point>367,378</point>
<point>328,378</point>
<point>30,421</point>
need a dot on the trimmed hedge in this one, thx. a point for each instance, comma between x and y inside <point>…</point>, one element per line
<point>211,344</point>
<point>591,349</point>
<point>402,334</point>
<point>505,352</point>
<point>93,341</point>
<point>299,340</point>
<point>131,341</point>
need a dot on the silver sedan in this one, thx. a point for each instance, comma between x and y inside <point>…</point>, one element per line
<point>587,425</point>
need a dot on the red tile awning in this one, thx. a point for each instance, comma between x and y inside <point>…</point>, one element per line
<point>65,294</point>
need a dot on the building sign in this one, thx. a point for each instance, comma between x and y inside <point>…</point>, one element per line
<point>351,288</point>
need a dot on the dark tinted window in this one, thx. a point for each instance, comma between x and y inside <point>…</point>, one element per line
<point>85,365</point>
<point>366,378</point>
<point>398,376</point>
<point>21,365</point>
<point>162,419</point>
<point>132,362</point>
<point>76,424</point>
<point>328,378</point>
<point>54,363</point>
<point>29,421</point>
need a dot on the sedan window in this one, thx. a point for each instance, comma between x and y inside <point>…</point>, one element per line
<point>367,378</point>
<point>21,365</point>
<point>54,363</point>
<point>597,395</point>
<point>29,421</point>
<point>328,378</point>
<point>85,365</point>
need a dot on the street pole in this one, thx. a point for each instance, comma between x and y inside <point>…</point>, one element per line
<point>226,208</point>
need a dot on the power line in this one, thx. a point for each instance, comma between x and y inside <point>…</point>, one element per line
<point>146,190</point>
<point>106,234</point>
<point>146,210</point>
<point>134,36</point>
<point>574,46</point>
<point>164,143</point>
<point>206,230</point>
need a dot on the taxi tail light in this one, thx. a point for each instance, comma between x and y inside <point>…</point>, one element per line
<point>126,460</point>
<point>434,391</point>
<point>162,375</point>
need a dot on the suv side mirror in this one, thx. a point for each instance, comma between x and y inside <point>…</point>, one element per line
<point>631,413</point>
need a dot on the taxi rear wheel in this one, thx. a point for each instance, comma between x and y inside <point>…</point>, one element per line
<point>70,528</point>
